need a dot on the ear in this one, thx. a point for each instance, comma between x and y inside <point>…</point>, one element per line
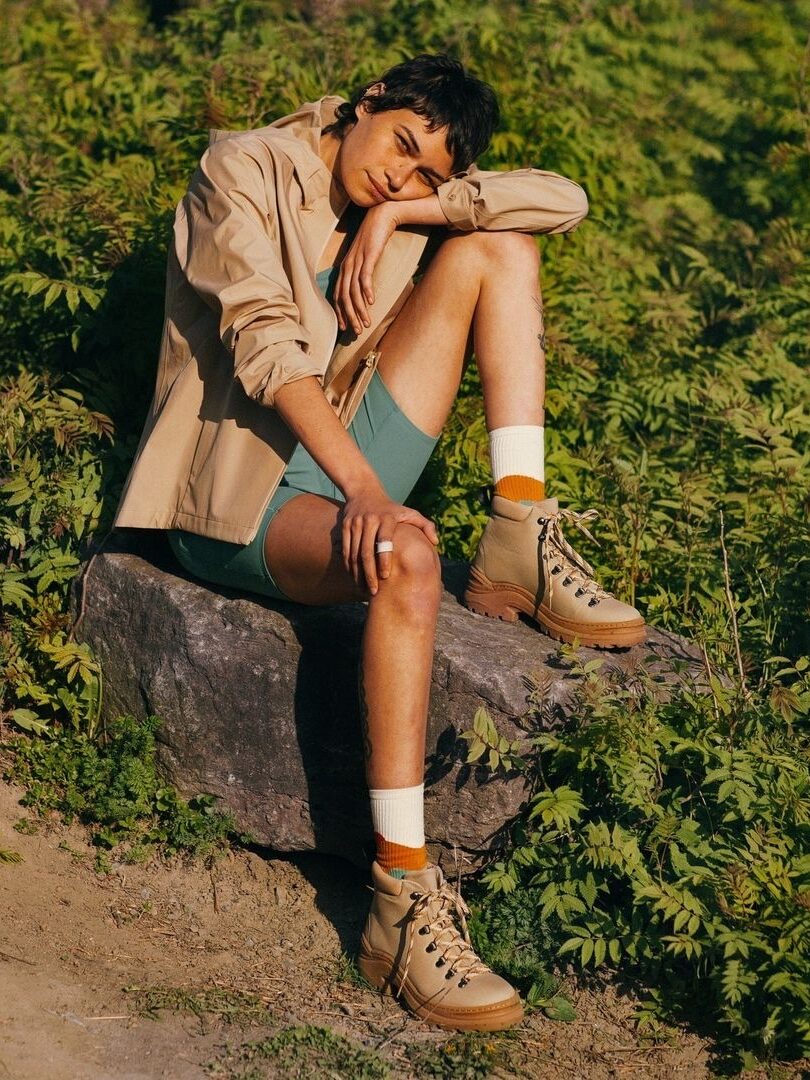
<point>373,91</point>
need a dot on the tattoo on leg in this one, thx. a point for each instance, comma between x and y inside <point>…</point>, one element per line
<point>541,335</point>
<point>364,725</point>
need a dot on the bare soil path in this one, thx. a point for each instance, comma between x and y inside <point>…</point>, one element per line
<point>74,945</point>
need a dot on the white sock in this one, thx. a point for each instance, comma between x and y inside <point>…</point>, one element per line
<point>398,817</point>
<point>517,451</point>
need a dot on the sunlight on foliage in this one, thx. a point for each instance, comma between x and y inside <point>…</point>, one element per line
<point>665,836</point>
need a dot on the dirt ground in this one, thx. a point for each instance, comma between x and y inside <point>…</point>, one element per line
<point>74,945</point>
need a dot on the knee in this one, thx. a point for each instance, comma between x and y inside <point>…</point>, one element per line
<point>510,253</point>
<point>415,567</point>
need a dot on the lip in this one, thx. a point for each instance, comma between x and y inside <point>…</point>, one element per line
<point>378,191</point>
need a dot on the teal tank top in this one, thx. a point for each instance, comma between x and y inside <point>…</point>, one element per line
<point>326,281</point>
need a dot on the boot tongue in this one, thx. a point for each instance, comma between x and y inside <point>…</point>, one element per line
<point>429,879</point>
<point>520,511</point>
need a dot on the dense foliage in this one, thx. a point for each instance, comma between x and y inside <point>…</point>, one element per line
<point>677,327</point>
<point>667,833</point>
<point>116,790</point>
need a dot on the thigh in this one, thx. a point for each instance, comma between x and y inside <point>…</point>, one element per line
<point>303,552</point>
<point>425,349</point>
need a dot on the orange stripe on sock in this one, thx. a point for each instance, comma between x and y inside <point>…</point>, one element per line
<point>520,487</point>
<point>393,856</point>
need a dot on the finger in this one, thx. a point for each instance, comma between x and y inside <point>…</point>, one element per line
<point>413,517</point>
<point>347,546</point>
<point>358,299</point>
<point>385,532</point>
<point>341,297</point>
<point>368,556</point>
<point>366,284</point>
<point>354,558</point>
<point>350,314</point>
<point>341,318</point>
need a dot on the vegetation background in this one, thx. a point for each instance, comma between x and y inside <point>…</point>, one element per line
<point>666,838</point>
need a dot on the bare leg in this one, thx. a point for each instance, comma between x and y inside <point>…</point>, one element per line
<point>485,280</point>
<point>397,652</point>
<point>489,281</point>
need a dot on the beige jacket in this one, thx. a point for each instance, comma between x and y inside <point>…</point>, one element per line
<point>244,315</point>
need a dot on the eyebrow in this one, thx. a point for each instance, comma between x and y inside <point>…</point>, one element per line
<point>414,148</point>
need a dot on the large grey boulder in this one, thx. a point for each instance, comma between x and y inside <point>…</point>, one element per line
<point>258,699</point>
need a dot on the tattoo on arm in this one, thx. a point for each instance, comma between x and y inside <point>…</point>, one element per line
<point>364,725</point>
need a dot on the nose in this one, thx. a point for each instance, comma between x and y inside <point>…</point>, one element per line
<point>397,177</point>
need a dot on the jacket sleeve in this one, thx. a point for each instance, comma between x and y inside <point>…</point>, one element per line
<point>225,247</point>
<point>524,200</point>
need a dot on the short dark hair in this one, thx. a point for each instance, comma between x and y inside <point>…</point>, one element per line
<point>437,88</point>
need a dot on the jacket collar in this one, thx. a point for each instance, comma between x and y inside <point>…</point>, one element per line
<point>299,134</point>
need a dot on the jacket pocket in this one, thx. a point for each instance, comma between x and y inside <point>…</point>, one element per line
<point>357,387</point>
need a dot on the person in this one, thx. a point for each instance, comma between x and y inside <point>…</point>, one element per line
<point>303,382</point>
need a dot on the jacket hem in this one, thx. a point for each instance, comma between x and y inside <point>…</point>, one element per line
<point>171,519</point>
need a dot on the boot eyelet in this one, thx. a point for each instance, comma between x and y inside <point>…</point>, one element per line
<point>431,947</point>
<point>440,962</point>
<point>450,975</point>
<point>423,930</point>
<point>578,592</point>
<point>556,569</point>
<point>593,603</point>
<point>414,896</point>
<point>566,582</point>
<point>462,983</point>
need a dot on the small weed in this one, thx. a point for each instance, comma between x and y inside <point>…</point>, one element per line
<point>78,858</point>
<point>27,826</point>
<point>345,970</point>
<point>312,1053</point>
<point>470,1056</point>
<point>229,1006</point>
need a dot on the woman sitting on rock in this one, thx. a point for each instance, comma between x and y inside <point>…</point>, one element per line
<point>304,380</point>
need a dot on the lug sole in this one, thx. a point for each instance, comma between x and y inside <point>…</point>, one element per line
<point>506,601</point>
<point>377,970</point>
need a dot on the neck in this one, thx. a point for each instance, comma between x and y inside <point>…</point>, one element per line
<point>329,152</point>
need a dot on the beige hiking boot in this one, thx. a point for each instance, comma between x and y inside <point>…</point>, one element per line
<point>411,947</point>
<point>525,564</point>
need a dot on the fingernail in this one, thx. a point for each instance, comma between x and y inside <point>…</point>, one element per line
<point>374,591</point>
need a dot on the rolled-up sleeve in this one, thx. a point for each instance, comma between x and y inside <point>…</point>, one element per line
<point>524,200</point>
<point>225,246</point>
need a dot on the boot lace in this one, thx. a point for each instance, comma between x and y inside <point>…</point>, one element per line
<point>557,557</point>
<point>435,910</point>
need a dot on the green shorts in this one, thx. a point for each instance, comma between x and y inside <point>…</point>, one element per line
<point>394,446</point>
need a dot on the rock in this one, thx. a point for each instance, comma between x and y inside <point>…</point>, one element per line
<point>258,700</point>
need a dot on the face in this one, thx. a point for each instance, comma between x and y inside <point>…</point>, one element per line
<point>391,155</point>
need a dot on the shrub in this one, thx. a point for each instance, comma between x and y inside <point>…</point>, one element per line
<point>666,835</point>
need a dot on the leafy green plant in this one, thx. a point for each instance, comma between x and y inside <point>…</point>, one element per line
<point>666,836</point>
<point>115,788</point>
<point>50,499</point>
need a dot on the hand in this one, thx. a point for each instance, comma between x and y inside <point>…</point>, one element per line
<point>370,516</point>
<point>354,291</point>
